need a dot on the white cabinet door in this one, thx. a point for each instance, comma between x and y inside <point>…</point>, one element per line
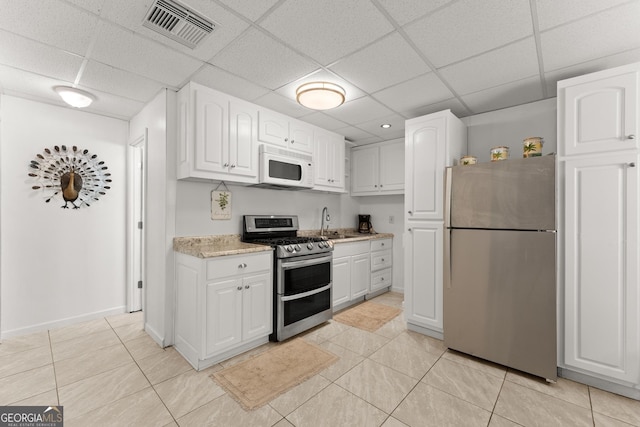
<point>257,304</point>
<point>364,170</point>
<point>273,128</point>
<point>223,324</point>
<point>328,161</point>
<point>424,163</point>
<point>341,280</point>
<point>601,266</point>
<point>300,136</point>
<point>392,166</point>
<point>211,131</point>
<point>360,275</point>
<point>243,139</point>
<point>601,115</point>
<point>423,274</point>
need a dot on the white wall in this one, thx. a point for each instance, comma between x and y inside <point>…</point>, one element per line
<point>58,266</point>
<point>510,126</point>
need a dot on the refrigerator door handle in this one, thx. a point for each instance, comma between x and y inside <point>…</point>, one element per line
<point>447,231</point>
<point>447,197</point>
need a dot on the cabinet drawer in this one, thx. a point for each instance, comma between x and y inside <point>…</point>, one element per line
<point>381,259</point>
<point>380,279</point>
<point>348,249</point>
<point>378,245</point>
<point>234,265</point>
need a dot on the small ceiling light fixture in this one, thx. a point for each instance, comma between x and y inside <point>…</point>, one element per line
<point>320,95</point>
<point>75,97</point>
<point>385,126</point>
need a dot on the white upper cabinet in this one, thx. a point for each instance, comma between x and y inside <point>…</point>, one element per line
<point>217,136</point>
<point>378,169</point>
<point>599,115</point>
<point>278,129</point>
<point>328,161</point>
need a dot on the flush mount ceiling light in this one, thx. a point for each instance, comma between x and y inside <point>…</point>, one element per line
<point>385,126</point>
<point>320,95</point>
<point>75,97</point>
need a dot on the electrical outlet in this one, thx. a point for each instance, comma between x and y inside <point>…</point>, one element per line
<point>391,219</point>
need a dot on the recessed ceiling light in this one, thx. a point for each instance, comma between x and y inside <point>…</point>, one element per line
<point>320,95</point>
<point>75,97</point>
<point>385,126</point>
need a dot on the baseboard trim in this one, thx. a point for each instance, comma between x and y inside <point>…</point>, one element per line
<point>630,392</point>
<point>424,331</point>
<point>159,339</point>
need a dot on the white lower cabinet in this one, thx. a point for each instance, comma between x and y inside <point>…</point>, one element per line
<point>381,261</point>
<point>223,306</point>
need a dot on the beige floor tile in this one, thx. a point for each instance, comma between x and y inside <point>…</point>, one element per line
<point>161,366</point>
<point>289,401</point>
<point>48,398</point>
<point>615,406</point>
<point>188,391</point>
<point>25,360</point>
<point>78,330</point>
<point>334,407</point>
<point>91,363</point>
<point>498,421</point>
<point>24,342</point>
<point>362,342</point>
<point>143,408</point>
<point>464,382</point>
<point>476,363</point>
<point>86,395</point>
<point>130,332</point>
<point>393,299</point>
<point>570,391</point>
<point>393,328</point>
<point>426,406</point>
<point>325,331</point>
<point>247,354</point>
<point>126,319</point>
<point>405,355</point>
<point>393,422</point>
<point>224,411</point>
<point>532,408</point>
<point>604,421</point>
<point>432,345</point>
<point>171,424</point>
<point>83,344</point>
<point>347,360</point>
<point>377,384</point>
<point>283,423</point>
<point>26,384</point>
<point>143,347</point>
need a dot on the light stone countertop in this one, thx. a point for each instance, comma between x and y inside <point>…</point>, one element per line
<point>231,244</point>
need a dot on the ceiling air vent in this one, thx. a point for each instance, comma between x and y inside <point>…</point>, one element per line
<point>178,22</point>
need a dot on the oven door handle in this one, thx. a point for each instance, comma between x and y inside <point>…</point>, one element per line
<point>306,294</point>
<point>310,261</point>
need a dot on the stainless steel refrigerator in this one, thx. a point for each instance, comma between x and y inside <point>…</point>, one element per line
<point>500,263</point>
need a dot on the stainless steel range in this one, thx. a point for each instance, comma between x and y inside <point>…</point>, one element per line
<point>302,273</point>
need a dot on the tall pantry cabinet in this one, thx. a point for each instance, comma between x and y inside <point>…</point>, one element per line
<point>598,124</point>
<point>432,142</point>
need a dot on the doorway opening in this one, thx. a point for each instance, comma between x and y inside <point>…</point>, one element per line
<point>137,166</point>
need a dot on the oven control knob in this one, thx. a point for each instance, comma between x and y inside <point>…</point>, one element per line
<point>324,244</point>
<point>309,246</point>
<point>298,248</point>
<point>289,248</point>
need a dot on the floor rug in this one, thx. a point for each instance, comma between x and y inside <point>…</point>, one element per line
<point>260,379</point>
<point>368,316</point>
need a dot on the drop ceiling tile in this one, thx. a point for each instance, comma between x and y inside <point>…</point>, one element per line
<point>228,26</point>
<point>359,111</point>
<point>552,13</point>
<point>373,126</point>
<point>453,104</point>
<point>509,95</point>
<point>354,134</point>
<point>321,75</point>
<point>327,30</point>
<point>231,84</point>
<point>406,11</point>
<point>131,52</point>
<point>251,9</point>
<point>324,121</point>
<point>469,27</point>
<point>259,58</point>
<point>282,105</point>
<point>604,34</point>
<point>98,76</point>
<point>366,141</point>
<point>28,55</point>
<point>599,64</point>
<point>423,90</point>
<point>54,22</point>
<point>388,61</point>
<point>503,65</point>
<point>93,6</point>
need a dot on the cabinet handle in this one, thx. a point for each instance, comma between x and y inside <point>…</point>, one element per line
<point>408,229</point>
<point>376,185</point>
<point>382,279</point>
<point>632,165</point>
<point>239,288</point>
<point>382,259</point>
<point>292,141</point>
<point>226,165</point>
<point>381,244</point>
<point>286,140</point>
<point>631,137</point>
<point>243,265</point>
<point>233,165</point>
<point>246,286</point>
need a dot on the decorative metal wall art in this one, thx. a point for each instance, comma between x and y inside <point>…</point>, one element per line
<point>77,175</point>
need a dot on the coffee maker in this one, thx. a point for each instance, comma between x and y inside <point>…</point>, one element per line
<point>364,224</point>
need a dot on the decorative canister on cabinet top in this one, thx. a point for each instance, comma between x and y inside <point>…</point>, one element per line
<point>499,153</point>
<point>532,146</point>
<point>468,160</point>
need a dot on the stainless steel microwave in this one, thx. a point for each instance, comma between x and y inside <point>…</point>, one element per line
<point>280,168</point>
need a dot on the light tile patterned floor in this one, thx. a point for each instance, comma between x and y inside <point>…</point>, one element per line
<point>110,372</point>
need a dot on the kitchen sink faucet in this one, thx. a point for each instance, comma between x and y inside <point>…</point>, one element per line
<point>327,217</point>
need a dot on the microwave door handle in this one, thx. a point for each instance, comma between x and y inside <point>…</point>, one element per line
<point>306,294</point>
